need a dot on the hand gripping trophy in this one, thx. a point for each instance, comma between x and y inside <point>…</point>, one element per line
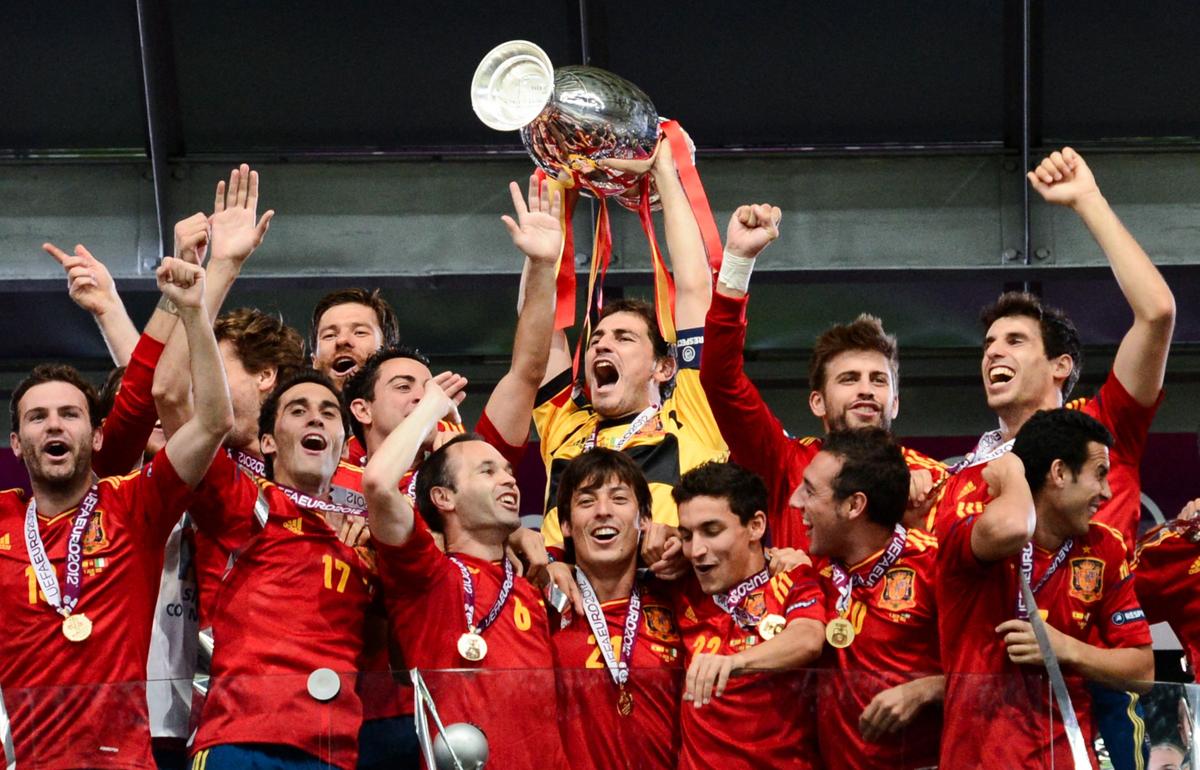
<point>572,117</point>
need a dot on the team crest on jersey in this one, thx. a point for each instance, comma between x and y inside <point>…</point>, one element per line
<point>96,538</point>
<point>899,589</point>
<point>1087,579</point>
<point>660,624</point>
<point>756,604</point>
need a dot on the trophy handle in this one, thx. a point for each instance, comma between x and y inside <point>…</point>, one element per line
<point>512,85</point>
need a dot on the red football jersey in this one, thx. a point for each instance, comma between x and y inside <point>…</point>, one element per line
<point>763,719</point>
<point>295,601</point>
<point>510,694</point>
<point>83,704</point>
<point>1129,423</point>
<point>997,713</point>
<point>594,733</point>
<point>131,420</point>
<point>896,641</point>
<point>757,440</point>
<point>1167,579</point>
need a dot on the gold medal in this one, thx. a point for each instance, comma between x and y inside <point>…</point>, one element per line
<point>624,703</point>
<point>840,633</point>
<point>771,625</point>
<point>76,627</point>
<point>472,647</point>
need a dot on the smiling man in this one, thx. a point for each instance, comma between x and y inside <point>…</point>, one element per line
<point>1039,528</point>
<point>275,699</point>
<point>734,619</point>
<point>619,662</point>
<point>464,608</point>
<point>880,704</point>
<point>83,557</point>
<point>854,374</point>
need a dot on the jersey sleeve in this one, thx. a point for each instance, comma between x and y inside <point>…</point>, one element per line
<point>755,436</point>
<point>956,557</point>
<point>223,508</point>
<point>552,403</point>
<point>415,569</point>
<point>1160,574</point>
<point>1125,418</point>
<point>688,397</point>
<point>800,592</point>
<point>131,419</point>
<point>154,499</point>
<point>512,454</point>
<point>1122,622</point>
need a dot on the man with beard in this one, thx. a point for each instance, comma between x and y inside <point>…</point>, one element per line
<point>1032,358</point>
<point>641,397</point>
<point>1038,530</point>
<point>84,577</point>
<point>274,698</point>
<point>464,608</point>
<point>880,703</point>
<point>736,619</point>
<point>853,378</point>
<point>619,661</point>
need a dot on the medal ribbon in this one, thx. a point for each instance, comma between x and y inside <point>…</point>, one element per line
<point>1027,573</point>
<point>731,602</point>
<point>599,625</point>
<point>65,600</point>
<point>308,501</point>
<point>638,423</point>
<point>255,466</point>
<point>469,596</point>
<point>845,583</point>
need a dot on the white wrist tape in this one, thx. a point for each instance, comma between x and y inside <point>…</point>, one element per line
<point>735,272</point>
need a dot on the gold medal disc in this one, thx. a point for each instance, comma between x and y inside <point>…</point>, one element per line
<point>76,627</point>
<point>840,633</point>
<point>472,647</point>
<point>771,625</point>
<point>624,703</point>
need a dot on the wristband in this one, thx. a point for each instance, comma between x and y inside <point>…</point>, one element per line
<point>735,271</point>
<point>167,306</point>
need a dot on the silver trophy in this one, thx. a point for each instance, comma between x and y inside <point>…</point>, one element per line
<point>569,117</point>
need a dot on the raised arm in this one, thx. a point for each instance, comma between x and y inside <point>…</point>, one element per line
<point>91,287</point>
<point>389,513</point>
<point>1064,178</point>
<point>1007,522</point>
<point>537,232</point>
<point>235,232</point>
<point>192,448</point>
<point>685,245</point>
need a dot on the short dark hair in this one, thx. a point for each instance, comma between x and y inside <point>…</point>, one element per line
<point>261,340</point>
<point>863,333</point>
<point>1056,434</point>
<point>270,407</point>
<point>384,313</point>
<point>43,373</point>
<point>593,468</point>
<point>645,311</point>
<point>362,383</point>
<point>436,471</point>
<point>872,463</point>
<point>1059,335</point>
<point>107,395</point>
<point>744,491</point>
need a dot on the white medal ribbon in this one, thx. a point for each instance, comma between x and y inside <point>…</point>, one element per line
<point>638,423</point>
<point>40,560</point>
<point>846,583</point>
<point>1023,612</point>
<point>619,669</point>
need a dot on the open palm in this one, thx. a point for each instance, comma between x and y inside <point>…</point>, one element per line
<point>236,230</point>
<point>536,231</point>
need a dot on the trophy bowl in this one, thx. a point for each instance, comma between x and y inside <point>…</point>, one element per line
<point>586,115</point>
